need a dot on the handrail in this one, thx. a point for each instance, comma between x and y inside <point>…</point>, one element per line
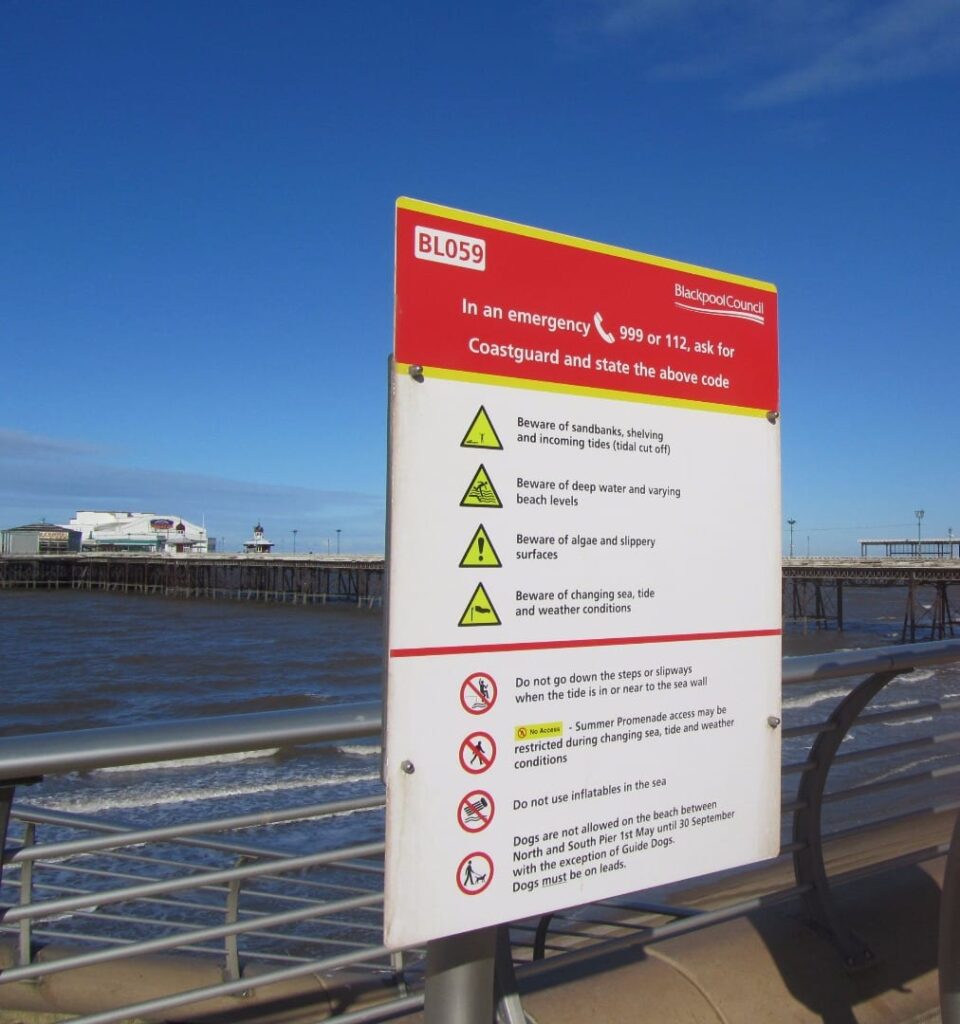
<point>26,757</point>
<point>809,668</point>
<point>85,749</point>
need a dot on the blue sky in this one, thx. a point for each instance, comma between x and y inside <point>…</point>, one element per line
<point>197,202</point>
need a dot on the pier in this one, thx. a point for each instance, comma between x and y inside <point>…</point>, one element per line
<point>291,579</point>
<point>813,590</point>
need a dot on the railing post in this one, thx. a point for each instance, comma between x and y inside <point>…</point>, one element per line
<point>26,897</point>
<point>949,944</point>
<point>509,1007</point>
<point>8,789</point>
<point>808,865</point>
<point>231,970</point>
<point>460,978</point>
<point>6,801</point>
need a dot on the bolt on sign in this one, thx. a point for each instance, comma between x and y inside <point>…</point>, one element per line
<point>584,597</point>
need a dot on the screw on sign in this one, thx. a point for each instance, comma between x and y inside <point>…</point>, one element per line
<point>478,693</point>
<point>476,811</point>
<point>477,752</point>
<point>475,873</point>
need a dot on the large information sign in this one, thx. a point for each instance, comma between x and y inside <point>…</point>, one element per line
<point>584,597</point>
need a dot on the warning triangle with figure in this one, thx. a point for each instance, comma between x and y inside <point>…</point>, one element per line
<point>480,553</point>
<point>480,610</point>
<point>481,493</point>
<point>481,433</point>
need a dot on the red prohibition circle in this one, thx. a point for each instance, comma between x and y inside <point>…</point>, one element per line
<point>473,758</point>
<point>471,693</point>
<point>467,874</point>
<point>480,808</point>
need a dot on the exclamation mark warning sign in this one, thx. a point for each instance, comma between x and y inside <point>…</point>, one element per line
<point>480,553</point>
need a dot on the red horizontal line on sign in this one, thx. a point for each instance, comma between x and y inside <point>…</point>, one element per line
<point>603,641</point>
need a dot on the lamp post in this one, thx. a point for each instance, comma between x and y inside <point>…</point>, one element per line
<point>919,514</point>
<point>338,542</point>
<point>792,523</point>
<point>294,532</point>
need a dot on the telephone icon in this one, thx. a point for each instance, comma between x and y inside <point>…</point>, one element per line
<point>601,330</point>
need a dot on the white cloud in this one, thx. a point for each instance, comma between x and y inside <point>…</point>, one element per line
<point>897,42</point>
<point>775,52</point>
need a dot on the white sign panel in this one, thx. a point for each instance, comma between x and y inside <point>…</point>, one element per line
<point>584,604</point>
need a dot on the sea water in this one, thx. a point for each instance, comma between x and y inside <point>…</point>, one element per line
<point>73,660</point>
<point>78,660</point>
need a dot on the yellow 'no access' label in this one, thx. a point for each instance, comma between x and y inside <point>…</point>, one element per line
<point>538,731</point>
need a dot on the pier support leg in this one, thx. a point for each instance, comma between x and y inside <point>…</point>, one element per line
<point>460,977</point>
<point>910,615</point>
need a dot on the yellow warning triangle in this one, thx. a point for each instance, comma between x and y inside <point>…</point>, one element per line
<point>480,554</point>
<point>481,432</point>
<point>481,493</point>
<point>480,610</point>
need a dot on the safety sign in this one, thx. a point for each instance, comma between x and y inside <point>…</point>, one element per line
<point>481,432</point>
<point>478,751</point>
<point>476,811</point>
<point>480,553</point>
<point>584,537</point>
<point>481,493</point>
<point>478,693</point>
<point>475,873</point>
<point>480,610</point>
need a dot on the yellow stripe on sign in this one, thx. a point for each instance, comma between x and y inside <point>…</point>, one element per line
<point>575,389</point>
<point>538,731</point>
<point>481,220</point>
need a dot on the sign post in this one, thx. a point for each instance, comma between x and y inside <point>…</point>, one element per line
<point>584,597</point>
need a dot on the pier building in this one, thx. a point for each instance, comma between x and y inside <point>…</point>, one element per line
<point>258,544</point>
<point>39,539</point>
<point>138,531</point>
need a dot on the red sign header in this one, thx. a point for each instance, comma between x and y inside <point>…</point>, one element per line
<point>478,296</point>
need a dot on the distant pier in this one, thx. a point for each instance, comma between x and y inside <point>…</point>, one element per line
<point>813,588</point>
<point>813,591</point>
<point>289,579</point>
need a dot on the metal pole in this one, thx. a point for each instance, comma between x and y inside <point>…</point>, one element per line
<point>6,802</point>
<point>949,947</point>
<point>460,976</point>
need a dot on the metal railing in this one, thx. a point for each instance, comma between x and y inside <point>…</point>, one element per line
<point>227,914</point>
